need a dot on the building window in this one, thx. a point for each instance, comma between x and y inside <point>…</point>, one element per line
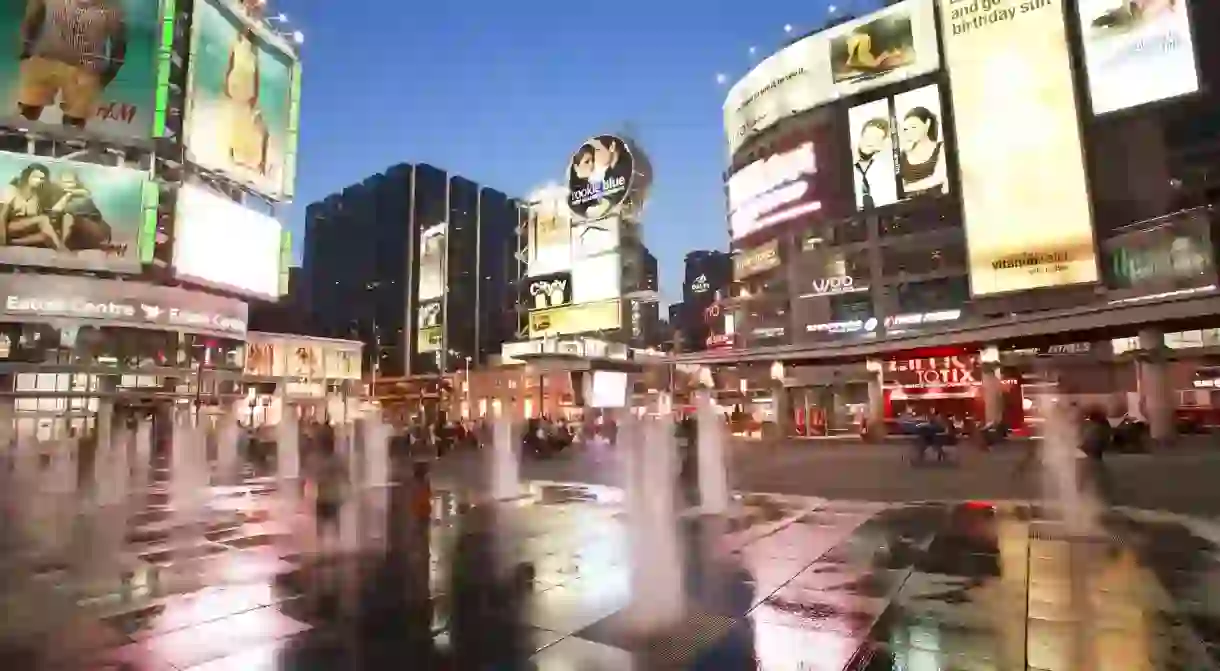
<point>948,293</point>
<point>922,260</point>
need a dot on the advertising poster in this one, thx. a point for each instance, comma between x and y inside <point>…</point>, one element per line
<point>343,363</point>
<point>1025,195</point>
<point>600,173</point>
<point>105,82</point>
<point>874,172</point>
<point>575,319</point>
<point>64,214</point>
<point>265,357</point>
<point>550,235</point>
<point>428,339</point>
<point>429,314</point>
<point>883,43</point>
<point>548,291</point>
<point>905,135</point>
<point>432,250</point>
<point>304,360</point>
<point>1137,51</point>
<point>205,233</point>
<point>239,99</point>
<point>883,48</point>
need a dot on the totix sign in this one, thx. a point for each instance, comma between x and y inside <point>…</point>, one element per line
<point>935,371</point>
<point>42,298</point>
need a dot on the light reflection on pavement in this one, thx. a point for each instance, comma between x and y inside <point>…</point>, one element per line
<point>785,582</point>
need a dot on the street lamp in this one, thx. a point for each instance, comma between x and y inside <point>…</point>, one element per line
<point>469,408</point>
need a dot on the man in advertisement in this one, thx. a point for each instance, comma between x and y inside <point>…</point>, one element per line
<point>70,49</point>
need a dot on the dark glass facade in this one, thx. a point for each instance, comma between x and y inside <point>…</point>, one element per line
<point>361,268</point>
<point>706,276</point>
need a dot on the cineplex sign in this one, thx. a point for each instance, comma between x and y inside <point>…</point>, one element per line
<point>29,298</point>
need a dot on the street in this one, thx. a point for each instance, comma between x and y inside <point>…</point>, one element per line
<point>1182,479</point>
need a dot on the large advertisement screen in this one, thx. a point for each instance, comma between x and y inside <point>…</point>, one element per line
<point>898,148</point>
<point>1136,51</point>
<point>432,248</point>
<point>1024,192</point>
<point>240,99</point>
<point>88,64</point>
<point>224,244</point>
<point>65,214</point>
<point>888,46</point>
<point>550,235</point>
<point>429,320</point>
<point>778,188</point>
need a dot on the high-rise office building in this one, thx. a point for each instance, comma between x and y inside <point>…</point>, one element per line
<point>706,277</point>
<point>416,263</point>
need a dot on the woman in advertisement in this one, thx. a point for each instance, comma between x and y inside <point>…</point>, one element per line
<point>27,208</point>
<point>921,161</point>
<point>598,177</point>
<point>248,135</point>
<point>1132,13</point>
<point>875,48</point>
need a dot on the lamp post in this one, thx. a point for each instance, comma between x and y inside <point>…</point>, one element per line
<point>469,408</point>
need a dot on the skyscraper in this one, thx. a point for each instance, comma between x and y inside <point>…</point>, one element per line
<point>416,263</point>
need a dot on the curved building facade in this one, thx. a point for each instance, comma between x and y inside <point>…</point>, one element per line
<point>890,210</point>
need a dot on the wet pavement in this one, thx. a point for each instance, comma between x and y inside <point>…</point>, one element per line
<point>785,582</point>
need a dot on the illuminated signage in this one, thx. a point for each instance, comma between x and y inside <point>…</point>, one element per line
<point>829,286</point>
<point>36,297</point>
<point>773,190</point>
<point>894,323</point>
<point>753,261</point>
<point>1025,196</point>
<point>935,371</point>
<point>549,291</point>
<point>575,319</point>
<point>700,285</point>
<point>848,326</point>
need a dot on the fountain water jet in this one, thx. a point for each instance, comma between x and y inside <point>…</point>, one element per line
<point>658,599</point>
<point>505,461</point>
<point>713,474</point>
<point>228,463</point>
<point>189,478</point>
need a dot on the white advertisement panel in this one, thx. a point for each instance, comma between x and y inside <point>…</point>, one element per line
<point>550,234</point>
<point>432,249</point>
<point>591,238</point>
<point>597,279</point>
<point>1025,195</point>
<point>888,46</point>
<point>222,243</point>
<point>1137,52</point>
<point>775,189</point>
<point>898,148</point>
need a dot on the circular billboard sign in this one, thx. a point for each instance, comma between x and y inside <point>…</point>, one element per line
<point>599,177</point>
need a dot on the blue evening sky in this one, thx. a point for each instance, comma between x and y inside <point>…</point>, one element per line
<point>502,92</point>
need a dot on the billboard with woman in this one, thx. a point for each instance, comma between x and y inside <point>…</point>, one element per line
<point>898,148</point>
<point>65,214</point>
<point>241,99</point>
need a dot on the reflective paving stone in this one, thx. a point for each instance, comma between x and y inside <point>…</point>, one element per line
<point>784,583</point>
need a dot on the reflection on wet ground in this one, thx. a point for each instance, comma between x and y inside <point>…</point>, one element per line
<point>783,583</point>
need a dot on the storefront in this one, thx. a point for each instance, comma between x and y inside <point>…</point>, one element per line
<point>76,349</point>
<point>319,378</point>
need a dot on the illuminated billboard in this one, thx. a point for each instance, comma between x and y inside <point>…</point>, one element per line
<point>576,319</point>
<point>65,214</point>
<point>224,244</point>
<point>242,99</point>
<point>778,188</point>
<point>87,64</point>
<point>1025,194</point>
<point>549,233</point>
<point>898,148</point>
<point>883,48</point>
<point>600,174</point>
<point>1136,52</point>
<point>547,291</point>
<point>433,246</point>
<point>429,319</point>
